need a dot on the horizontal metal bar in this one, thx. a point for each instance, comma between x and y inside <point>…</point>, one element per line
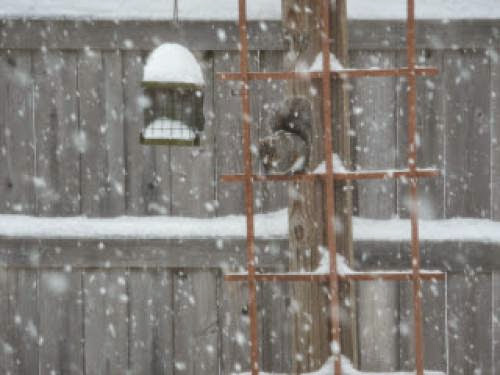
<point>324,277</point>
<point>336,74</point>
<point>340,176</point>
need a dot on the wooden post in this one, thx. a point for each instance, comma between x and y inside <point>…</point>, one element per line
<point>311,341</point>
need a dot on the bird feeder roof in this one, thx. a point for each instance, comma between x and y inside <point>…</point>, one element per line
<point>171,64</point>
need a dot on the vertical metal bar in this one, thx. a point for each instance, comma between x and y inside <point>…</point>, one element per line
<point>412,162</point>
<point>247,156</point>
<point>329,185</point>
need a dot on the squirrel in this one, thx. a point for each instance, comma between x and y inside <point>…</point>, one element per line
<point>286,150</point>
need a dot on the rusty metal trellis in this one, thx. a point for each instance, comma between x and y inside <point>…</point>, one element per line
<point>412,173</point>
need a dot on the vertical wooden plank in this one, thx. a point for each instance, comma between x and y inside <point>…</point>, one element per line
<point>374,120</point>
<point>151,344</point>
<point>374,123</point>
<point>114,134</point>
<point>147,179</point>
<point>495,133</point>
<point>229,157</point>
<point>496,322</point>
<point>270,196</point>
<point>61,322</point>
<point>275,326</point>
<point>57,184</point>
<point>431,135</point>
<point>17,142</point>
<point>235,327</point>
<point>196,323</point>
<point>19,339</point>
<point>105,325</point>
<point>467,83</point>
<point>434,312</point>
<point>101,130</point>
<point>193,189</point>
<point>469,319</point>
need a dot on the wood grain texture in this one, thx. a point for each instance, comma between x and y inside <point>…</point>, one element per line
<point>495,133</point>
<point>60,309</point>
<point>467,134</point>
<point>101,132</point>
<point>275,327</point>
<point>235,328</point>
<point>373,119</point>
<point>431,134</point>
<point>19,322</point>
<point>57,135</point>
<point>495,349</point>
<point>106,327</point>
<point>17,139</point>
<point>469,323</point>
<point>135,35</point>
<point>192,168</point>
<point>196,322</point>
<point>434,313</point>
<point>270,196</point>
<point>151,322</point>
<point>148,177</point>
<point>229,155</point>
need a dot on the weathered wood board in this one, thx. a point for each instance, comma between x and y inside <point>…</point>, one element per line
<point>468,134</point>
<point>373,120</point>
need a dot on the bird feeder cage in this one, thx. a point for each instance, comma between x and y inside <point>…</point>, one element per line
<point>173,87</point>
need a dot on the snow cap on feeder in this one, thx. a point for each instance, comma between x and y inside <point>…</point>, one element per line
<point>173,85</point>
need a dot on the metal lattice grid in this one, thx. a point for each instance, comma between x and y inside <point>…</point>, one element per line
<point>411,173</point>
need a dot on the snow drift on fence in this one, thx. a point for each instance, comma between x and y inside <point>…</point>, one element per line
<point>268,225</point>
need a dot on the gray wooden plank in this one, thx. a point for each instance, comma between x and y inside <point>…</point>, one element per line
<point>20,338</point>
<point>200,253</point>
<point>373,120</point>
<point>431,137</point>
<point>467,134</point>
<point>469,323</point>
<point>135,35</point>
<point>91,123</point>
<point>17,136</point>
<point>228,115</point>
<point>378,319</point>
<point>192,168</point>
<point>199,35</point>
<point>60,310</point>
<point>7,347</point>
<point>151,344</point>
<point>275,327</point>
<point>435,34</point>
<point>105,325</point>
<point>56,117</point>
<point>147,179</point>
<point>99,85</point>
<point>496,322</point>
<point>434,320</point>
<point>196,322</point>
<point>272,195</point>
<point>114,134</point>
<point>495,133</point>
<point>228,135</point>
<point>235,327</point>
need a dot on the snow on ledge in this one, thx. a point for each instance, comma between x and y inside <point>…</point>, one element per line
<point>267,226</point>
<point>348,369</point>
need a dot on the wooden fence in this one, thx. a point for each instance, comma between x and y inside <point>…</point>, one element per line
<point>70,119</point>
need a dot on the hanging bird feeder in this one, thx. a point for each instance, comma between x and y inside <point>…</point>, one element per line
<point>173,87</point>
